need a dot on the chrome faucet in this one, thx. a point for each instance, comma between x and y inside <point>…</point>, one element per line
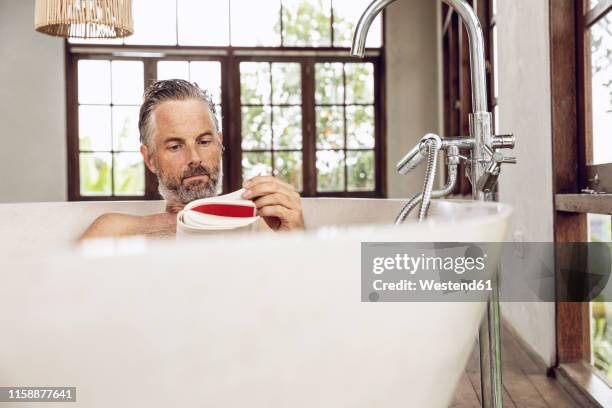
<point>482,170</point>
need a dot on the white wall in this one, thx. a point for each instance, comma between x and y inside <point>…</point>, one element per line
<point>32,109</point>
<point>525,110</point>
<point>412,86</point>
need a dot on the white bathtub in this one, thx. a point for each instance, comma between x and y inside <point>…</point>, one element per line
<point>268,320</point>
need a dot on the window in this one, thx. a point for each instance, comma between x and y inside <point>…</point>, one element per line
<point>599,57</point>
<point>108,103</point>
<point>581,87</point>
<point>344,100</point>
<point>271,108</point>
<point>596,27</point>
<point>600,230</point>
<point>290,99</point>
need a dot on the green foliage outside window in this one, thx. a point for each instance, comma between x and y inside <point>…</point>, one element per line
<point>96,171</point>
<point>601,309</point>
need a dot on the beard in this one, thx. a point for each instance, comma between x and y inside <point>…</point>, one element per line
<point>173,188</point>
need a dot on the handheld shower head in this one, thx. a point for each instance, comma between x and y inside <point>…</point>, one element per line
<point>417,154</point>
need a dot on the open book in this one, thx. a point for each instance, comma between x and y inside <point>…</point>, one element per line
<point>226,212</point>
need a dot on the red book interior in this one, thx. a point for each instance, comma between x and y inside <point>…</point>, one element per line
<point>226,210</point>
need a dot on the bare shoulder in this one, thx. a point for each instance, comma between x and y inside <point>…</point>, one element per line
<point>111,224</point>
<point>119,224</point>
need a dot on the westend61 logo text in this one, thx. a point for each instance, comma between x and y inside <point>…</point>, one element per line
<point>413,264</point>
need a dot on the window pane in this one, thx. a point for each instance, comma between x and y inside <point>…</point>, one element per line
<point>192,14</point>
<point>94,81</point>
<point>360,126</point>
<point>207,74</point>
<point>593,3</point>
<point>95,173</point>
<point>329,83</point>
<point>173,70</point>
<point>600,230</point>
<point>330,170</point>
<point>128,82</point>
<point>287,83</point>
<point>256,164</point>
<point>288,167</point>
<point>256,128</point>
<point>255,83</point>
<point>330,127</point>
<point>346,15</point>
<point>153,23</point>
<point>306,23</point>
<point>94,128</point>
<point>255,23</point>
<point>287,127</point>
<point>359,83</point>
<point>125,128</point>
<point>129,174</point>
<point>360,168</point>
<point>601,88</point>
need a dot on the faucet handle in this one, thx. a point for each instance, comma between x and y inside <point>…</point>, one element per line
<point>499,158</point>
<point>488,180</point>
<point>508,160</point>
<point>503,141</point>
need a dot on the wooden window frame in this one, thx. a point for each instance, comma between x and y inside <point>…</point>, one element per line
<point>570,100</point>
<point>230,58</point>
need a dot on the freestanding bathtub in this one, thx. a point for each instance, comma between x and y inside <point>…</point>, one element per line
<point>257,320</point>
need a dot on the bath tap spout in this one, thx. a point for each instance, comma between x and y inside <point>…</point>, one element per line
<point>475,35</point>
<point>363,25</point>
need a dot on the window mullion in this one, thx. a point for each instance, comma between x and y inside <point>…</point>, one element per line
<point>150,76</point>
<point>309,172</point>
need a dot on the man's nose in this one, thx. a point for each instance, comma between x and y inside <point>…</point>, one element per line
<point>194,157</point>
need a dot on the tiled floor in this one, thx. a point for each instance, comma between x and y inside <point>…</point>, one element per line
<point>525,385</point>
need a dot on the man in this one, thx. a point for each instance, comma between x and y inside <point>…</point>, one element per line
<point>181,143</point>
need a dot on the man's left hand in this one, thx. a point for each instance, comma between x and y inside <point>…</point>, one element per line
<point>276,201</point>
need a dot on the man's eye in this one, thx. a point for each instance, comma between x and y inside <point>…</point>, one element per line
<point>204,142</point>
<point>174,148</point>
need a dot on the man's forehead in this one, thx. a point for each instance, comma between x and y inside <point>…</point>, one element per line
<point>189,117</point>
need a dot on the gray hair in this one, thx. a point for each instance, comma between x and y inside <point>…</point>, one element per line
<point>170,90</point>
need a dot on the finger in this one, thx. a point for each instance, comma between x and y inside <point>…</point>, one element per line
<point>277,211</point>
<point>285,187</point>
<point>275,199</point>
<point>266,179</point>
<point>266,188</point>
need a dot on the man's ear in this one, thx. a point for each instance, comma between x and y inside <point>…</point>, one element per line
<point>220,134</point>
<point>148,158</point>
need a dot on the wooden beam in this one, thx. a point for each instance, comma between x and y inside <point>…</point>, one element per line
<point>571,319</point>
<point>584,203</point>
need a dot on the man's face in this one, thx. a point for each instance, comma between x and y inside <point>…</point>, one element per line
<point>187,151</point>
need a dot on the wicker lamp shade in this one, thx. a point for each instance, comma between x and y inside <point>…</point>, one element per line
<point>84,18</point>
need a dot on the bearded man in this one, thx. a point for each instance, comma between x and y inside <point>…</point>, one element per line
<point>182,144</point>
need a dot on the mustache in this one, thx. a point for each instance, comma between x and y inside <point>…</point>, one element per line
<point>199,170</point>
